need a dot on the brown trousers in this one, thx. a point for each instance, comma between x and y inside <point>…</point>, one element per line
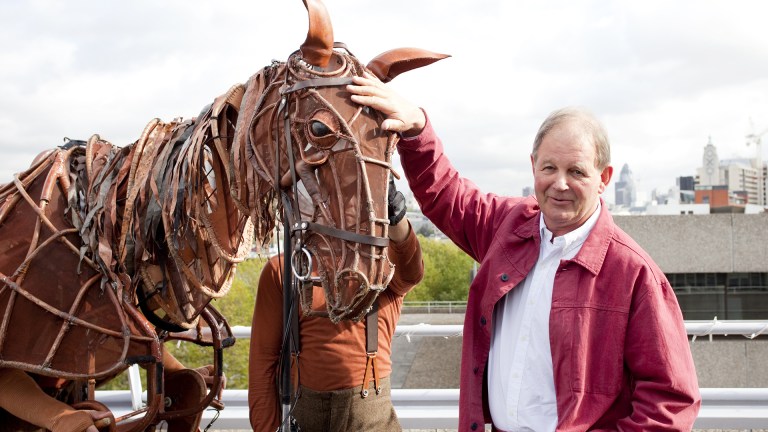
<point>345,410</point>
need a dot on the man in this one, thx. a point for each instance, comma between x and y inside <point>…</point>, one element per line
<point>570,325</point>
<point>332,365</point>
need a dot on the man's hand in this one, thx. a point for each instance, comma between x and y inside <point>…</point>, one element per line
<point>402,115</point>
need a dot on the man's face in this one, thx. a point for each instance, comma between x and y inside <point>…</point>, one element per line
<point>566,181</point>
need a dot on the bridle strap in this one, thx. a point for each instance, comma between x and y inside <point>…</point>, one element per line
<point>344,235</point>
<point>372,329</point>
<point>317,82</point>
<point>304,225</point>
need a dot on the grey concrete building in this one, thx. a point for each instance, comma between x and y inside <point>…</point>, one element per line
<point>716,263</point>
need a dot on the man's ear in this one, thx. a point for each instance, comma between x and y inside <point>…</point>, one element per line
<point>605,177</point>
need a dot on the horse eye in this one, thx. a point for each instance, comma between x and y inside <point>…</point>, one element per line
<point>322,129</point>
<point>319,129</point>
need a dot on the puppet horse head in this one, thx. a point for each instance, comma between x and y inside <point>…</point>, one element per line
<point>305,151</point>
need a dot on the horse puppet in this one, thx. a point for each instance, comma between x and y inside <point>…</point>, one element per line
<point>107,252</point>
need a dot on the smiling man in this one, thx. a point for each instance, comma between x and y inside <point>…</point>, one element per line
<point>570,161</point>
<point>570,325</point>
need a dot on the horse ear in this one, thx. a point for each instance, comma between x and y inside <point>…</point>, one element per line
<point>318,47</point>
<point>387,65</point>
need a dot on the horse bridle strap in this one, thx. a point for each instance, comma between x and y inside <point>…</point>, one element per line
<point>317,82</point>
<point>323,229</point>
<point>344,235</point>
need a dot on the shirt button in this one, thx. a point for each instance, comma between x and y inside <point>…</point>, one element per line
<point>474,426</point>
<point>504,277</point>
<point>482,321</point>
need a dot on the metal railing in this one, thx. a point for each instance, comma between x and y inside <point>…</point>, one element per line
<point>434,306</point>
<point>722,408</point>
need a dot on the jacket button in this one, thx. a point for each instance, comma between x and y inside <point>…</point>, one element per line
<point>504,277</point>
<point>474,426</point>
<point>475,369</point>
<point>482,320</point>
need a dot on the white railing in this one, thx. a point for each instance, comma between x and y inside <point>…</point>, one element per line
<point>435,306</point>
<point>695,329</point>
<point>722,408</point>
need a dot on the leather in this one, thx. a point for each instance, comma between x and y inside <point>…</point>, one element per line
<point>183,389</point>
<point>318,46</point>
<point>389,64</point>
<point>90,226</point>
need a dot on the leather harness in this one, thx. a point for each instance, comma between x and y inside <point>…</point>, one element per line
<point>371,317</point>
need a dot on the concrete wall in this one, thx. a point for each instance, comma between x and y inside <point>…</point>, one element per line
<point>714,243</point>
<point>433,362</point>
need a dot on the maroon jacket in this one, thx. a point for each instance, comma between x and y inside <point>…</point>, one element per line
<point>620,352</point>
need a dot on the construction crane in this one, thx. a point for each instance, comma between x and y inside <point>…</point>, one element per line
<point>755,139</point>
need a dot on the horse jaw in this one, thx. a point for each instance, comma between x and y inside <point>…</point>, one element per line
<point>387,65</point>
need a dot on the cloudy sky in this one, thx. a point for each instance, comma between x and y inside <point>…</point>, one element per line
<point>664,76</point>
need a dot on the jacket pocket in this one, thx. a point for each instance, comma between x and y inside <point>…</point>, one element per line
<point>597,350</point>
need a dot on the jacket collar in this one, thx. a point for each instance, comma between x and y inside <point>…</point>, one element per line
<point>529,227</point>
<point>593,251</point>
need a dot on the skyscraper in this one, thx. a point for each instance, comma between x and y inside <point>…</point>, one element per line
<point>626,189</point>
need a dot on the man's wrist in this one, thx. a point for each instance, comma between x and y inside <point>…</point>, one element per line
<point>400,232</point>
<point>417,125</point>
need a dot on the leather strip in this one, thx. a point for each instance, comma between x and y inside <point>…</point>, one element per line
<point>317,82</point>
<point>344,235</point>
<point>372,329</point>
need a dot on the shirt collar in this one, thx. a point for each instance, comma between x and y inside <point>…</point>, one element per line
<point>567,241</point>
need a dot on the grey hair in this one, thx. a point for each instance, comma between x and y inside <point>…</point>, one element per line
<point>590,125</point>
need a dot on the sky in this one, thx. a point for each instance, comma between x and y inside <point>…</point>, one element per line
<point>664,77</point>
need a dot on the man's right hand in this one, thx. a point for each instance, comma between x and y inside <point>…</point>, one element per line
<point>402,116</point>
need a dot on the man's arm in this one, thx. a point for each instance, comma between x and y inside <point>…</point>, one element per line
<point>265,346</point>
<point>467,215</point>
<point>666,392</point>
<point>405,253</point>
<point>23,398</point>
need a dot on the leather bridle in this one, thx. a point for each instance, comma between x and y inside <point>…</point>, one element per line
<point>301,253</point>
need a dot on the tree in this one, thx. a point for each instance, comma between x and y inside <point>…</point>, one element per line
<point>446,272</point>
<point>237,308</point>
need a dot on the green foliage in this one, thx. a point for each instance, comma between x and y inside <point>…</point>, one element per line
<point>446,277</point>
<point>237,308</point>
<point>446,272</point>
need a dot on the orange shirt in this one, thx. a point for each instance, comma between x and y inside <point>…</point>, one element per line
<point>332,355</point>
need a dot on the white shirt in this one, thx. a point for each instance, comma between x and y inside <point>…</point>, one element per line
<point>521,385</point>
